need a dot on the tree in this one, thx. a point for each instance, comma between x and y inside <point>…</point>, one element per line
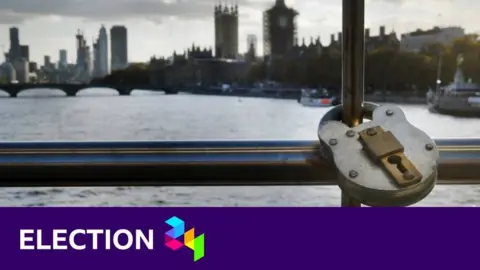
<point>385,68</point>
<point>134,74</point>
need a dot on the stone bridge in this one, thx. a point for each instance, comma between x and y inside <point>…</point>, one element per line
<point>71,90</point>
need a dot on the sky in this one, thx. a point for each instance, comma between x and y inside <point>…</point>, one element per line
<point>158,27</point>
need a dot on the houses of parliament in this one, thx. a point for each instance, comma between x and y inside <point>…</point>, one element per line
<point>224,64</point>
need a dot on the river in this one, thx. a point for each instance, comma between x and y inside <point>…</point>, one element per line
<point>99,114</point>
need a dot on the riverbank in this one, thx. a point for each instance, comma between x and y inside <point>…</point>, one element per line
<point>397,99</point>
<point>412,100</point>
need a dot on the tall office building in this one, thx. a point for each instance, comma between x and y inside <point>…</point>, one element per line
<point>46,61</point>
<point>96,57</point>
<point>118,47</point>
<point>252,47</point>
<point>102,54</point>
<point>88,62</point>
<point>25,52</point>
<point>226,31</point>
<point>62,58</point>
<point>14,52</point>
<point>82,52</point>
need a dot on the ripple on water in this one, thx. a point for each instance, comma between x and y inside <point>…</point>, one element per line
<point>187,117</point>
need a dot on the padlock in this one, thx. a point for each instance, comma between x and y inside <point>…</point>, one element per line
<point>383,162</point>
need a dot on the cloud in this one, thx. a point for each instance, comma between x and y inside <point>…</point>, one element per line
<point>313,13</point>
<point>9,17</point>
<point>15,11</point>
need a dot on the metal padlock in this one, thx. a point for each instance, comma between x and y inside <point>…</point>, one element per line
<point>384,162</point>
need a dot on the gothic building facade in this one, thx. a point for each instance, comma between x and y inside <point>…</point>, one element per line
<point>226,31</point>
<point>279,29</point>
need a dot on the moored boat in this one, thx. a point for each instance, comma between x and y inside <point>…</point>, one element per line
<point>317,98</point>
<point>457,99</point>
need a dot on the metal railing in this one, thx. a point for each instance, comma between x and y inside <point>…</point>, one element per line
<point>229,163</point>
<point>197,163</point>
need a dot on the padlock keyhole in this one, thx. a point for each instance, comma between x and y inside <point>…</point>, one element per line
<point>397,161</point>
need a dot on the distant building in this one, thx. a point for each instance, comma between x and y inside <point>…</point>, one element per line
<point>14,52</point>
<point>88,62</point>
<point>118,47</point>
<point>63,60</point>
<point>25,52</point>
<point>96,62</point>
<point>32,66</point>
<point>416,41</point>
<point>213,72</point>
<point>226,31</point>
<point>102,44</point>
<point>383,40</point>
<point>251,47</point>
<point>83,52</point>
<point>8,72</point>
<point>279,29</point>
<point>100,64</point>
<point>47,61</point>
<point>22,71</point>
<point>306,50</point>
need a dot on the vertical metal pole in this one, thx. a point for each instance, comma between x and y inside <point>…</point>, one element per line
<point>439,72</point>
<point>353,68</point>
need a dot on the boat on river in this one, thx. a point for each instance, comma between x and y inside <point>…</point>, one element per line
<point>460,98</point>
<point>456,99</point>
<point>317,98</point>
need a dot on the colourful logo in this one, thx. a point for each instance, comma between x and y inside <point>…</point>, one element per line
<point>197,244</point>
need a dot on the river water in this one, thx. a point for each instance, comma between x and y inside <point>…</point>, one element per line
<point>99,114</point>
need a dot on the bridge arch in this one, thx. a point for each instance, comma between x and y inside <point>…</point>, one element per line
<point>31,92</point>
<point>119,90</point>
<point>70,90</point>
<point>4,93</point>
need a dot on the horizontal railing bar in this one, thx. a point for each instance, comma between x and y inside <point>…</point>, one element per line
<point>196,163</point>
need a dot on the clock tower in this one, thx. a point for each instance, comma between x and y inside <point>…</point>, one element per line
<point>279,29</point>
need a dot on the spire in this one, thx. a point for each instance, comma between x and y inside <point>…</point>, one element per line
<point>459,78</point>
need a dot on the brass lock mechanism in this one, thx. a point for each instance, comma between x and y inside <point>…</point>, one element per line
<point>385,149</point>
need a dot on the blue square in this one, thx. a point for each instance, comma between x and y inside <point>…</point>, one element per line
<point>175,222</point>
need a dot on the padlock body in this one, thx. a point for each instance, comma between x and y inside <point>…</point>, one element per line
<point>384,162</point>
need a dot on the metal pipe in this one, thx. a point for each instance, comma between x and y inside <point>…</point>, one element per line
<point>353,58</point>
<point>196,163</point>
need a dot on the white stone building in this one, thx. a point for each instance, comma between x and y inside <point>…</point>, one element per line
<point>415,41</point>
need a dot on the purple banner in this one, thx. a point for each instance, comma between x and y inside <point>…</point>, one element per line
<point>239,238</point>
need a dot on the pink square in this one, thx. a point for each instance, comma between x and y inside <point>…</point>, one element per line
<point>174,244</point>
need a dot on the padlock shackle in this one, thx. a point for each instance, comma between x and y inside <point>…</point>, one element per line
<point>336,113</point>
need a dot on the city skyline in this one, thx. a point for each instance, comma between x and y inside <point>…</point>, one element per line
<point>150,33</point>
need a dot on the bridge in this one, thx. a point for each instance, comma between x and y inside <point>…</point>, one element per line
<point>71,90</point>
